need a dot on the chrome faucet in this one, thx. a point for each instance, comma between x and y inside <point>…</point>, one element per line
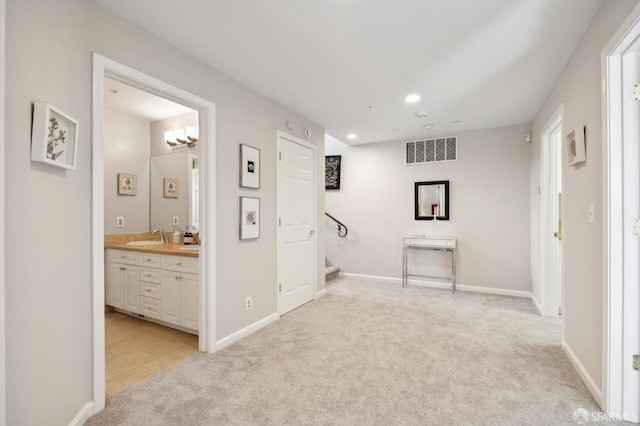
<point>162,237</point>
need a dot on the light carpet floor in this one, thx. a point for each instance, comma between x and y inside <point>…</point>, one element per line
<point>373,354</point>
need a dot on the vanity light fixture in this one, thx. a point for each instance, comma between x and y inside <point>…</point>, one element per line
<point>181,137</point>
<point>412,98</point>
<point>352,136</point>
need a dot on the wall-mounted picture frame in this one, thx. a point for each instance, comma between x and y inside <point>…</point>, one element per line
<point>54,137</point>
<point>576,146</point>
<point>171,189</point>
<point>127,184</point>
<point>249,218</point>
<point>332,165</point>
<point>249,167</point>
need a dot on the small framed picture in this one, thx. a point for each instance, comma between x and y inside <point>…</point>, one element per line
<point>126,184</point>
<point>332,171</point>
<point>249,167</point>
<point>170,188</point>
<point>249,218</point>
<point>576,146</point>
<point>54,137</point>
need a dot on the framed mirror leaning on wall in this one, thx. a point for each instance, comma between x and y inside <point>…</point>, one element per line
<point>432,200</point>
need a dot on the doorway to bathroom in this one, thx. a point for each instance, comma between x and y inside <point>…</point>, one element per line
<point>166,284</point>
<point>151,308</point>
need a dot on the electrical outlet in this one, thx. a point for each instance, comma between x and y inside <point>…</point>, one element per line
<point>120,222</point>
<point>175,220</point>
<point>248,303</point>
<point>591,214</point>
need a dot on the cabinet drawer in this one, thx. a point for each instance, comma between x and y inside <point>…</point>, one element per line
<point>150,275</point>
<point>150,290</point>
<point>180,264</point>
<point>127,257</point>
<point>150,260</point>
<point>150,307</point>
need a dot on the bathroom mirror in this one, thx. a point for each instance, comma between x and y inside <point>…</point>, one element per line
<point>432,200</point>
<point>183,204</point>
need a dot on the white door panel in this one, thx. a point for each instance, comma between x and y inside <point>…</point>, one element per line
<point>296,230</point>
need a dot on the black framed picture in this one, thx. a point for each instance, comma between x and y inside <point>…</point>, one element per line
<point>332,171</point>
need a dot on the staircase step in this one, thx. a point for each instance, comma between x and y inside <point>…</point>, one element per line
<point>331,272</point>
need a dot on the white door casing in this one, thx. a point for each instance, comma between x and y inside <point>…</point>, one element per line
<point>550,215</point>
<point>621,207</point>
<point>102,67</point>
<point>296,223</point>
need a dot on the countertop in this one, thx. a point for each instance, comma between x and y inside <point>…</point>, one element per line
<point>172,249</point>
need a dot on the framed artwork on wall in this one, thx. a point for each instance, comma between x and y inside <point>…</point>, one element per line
<point>332,164</point>
<point>249,167</point>
<point>249,218</point>
<point>54,137</point>
<point>576,146</point>
<point>126,184</point>
<point>170,188</point>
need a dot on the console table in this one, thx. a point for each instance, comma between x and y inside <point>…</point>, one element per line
<point>447,244</point>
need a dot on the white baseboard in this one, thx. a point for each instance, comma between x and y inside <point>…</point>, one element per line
<point>252,328</point>
<point>321,293</point>
<point>83,415</point>
<point>536,303</point>
<point>586,378</point>
<point>440,285</point>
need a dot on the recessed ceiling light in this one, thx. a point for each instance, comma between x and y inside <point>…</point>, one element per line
<point>352,136</point>
<point>413,98</point>
<point>429,126</point>
<point>422,114</point>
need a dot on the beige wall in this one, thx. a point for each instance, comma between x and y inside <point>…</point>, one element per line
<point>579,89</point>
<point>126,150</point>
<point>488,208</point>
<point>48,274</point>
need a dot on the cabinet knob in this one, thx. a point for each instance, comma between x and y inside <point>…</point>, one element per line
<point>148,275</point>
<point>179,264</point>
<point>121,257</point>
<point>147,260</point>
<point>148,290</point>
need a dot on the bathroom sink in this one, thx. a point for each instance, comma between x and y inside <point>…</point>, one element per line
<point>144,243</point>
<point>189,248</point>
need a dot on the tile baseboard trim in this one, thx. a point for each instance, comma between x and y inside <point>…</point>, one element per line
<point>321,293</point>
<point>83,415</point>
<point>441,285</point>
<point>582,372</point>
<point>242,333</point>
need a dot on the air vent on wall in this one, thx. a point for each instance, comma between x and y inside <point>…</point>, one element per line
<point>431,151</point>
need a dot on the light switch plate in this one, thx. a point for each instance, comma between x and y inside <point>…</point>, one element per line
<point>120,222</point>
<point>175,220</point>
<point>592,213</point>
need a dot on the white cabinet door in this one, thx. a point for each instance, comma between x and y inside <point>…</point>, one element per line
<point>189,301</point>
<point>171,288</point>
<point>115,285</point>
<point>131,288</point>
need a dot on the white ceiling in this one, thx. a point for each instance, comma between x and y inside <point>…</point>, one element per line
<point>131,101</point>
<point>348,64</point>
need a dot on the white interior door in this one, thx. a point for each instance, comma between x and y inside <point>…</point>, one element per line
<point>296,224</point>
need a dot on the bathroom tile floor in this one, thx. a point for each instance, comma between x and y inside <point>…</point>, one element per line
<point>136,349</point>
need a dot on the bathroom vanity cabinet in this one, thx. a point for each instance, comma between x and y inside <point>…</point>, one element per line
<point>154,286</point>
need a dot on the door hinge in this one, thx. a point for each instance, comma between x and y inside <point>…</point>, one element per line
<point>559,311</point>
<point>636,362</point>
<point>636,227</point>
<point>280,156</point>
<point>636,92</point>
<point>279,221</point>
<point>280,288</point>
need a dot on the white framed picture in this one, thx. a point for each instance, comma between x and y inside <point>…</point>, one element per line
<point>127,184</point>
<point>249,218</point>
<point>54,137</point>
<point>576,146</point>
<point>170,188</point>
<point>249,167</point>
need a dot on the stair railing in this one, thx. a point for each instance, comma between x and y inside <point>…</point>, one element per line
<point>341,226</point>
